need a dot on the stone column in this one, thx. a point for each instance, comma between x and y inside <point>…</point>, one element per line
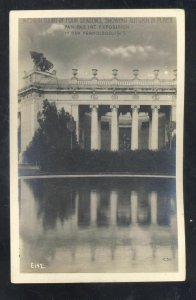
<point>93,207</point>
<point>135,123</point>
<point>99,133</point>
<point>32,116</point>
<point>113,207</point>
<point>150,133</point>
<point>27,124</point>
<point>153,207</point>
<point>134,207</point>
<point>94,128</point>
<point>155,127</point>
<point>75,115</point>
<point>114,128</point>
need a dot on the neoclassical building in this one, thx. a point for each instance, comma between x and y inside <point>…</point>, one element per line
<point>113,113</point>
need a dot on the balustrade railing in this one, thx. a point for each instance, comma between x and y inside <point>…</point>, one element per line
<point>94,83</point>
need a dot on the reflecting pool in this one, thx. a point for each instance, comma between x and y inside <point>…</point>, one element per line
<point>98,225</point>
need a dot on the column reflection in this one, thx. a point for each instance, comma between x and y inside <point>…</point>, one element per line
<point>94,225</point>
<point>153,207</point>
<point>113,207</point>
<point>134,207</point>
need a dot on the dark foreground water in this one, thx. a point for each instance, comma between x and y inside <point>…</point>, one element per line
<point>98,225</point>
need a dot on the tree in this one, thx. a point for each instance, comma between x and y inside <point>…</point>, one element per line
<point>53,138</point>
<point>171,134</point>
<point>40,62</point>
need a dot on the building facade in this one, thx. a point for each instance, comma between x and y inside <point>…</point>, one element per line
<point>112,114</point>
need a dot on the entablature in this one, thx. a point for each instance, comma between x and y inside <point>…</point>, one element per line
<point>153,90</point>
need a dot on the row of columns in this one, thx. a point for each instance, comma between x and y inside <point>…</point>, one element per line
<point>95,128</point>
<point>94,200</point>
<point>94,203</point>
<point>27,132</point>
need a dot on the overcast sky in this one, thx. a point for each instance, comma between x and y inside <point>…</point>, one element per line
<point>144,46</point>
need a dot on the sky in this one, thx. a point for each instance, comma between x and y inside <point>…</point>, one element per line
<point>142,45</point>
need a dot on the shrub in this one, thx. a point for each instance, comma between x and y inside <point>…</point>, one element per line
<point>140,162</point>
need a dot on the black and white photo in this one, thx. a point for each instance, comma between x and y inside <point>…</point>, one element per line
<point>96,135</point>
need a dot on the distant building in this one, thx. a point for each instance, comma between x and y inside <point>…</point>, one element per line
<point>109,113</point>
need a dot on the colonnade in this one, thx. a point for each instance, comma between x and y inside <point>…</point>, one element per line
<point>114,109</point>
<point>113,211</point>
<point>27,132</point>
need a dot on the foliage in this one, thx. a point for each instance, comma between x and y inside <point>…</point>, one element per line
<point>136,162</point>
<point>53,137</point>
<point>40,62</point>
<point>171,134</point>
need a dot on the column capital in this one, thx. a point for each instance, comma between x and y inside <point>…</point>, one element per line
<point>94,106</point>
<point>135,107</point>
<point>114,106</point>
<point>155,107</point>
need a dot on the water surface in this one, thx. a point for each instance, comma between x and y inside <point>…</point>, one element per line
<point>98,225</point>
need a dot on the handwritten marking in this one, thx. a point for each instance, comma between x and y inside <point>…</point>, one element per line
<point>167,259</point>
<point>37,266</point>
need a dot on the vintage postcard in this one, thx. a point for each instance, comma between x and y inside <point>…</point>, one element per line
<point>96,146</point>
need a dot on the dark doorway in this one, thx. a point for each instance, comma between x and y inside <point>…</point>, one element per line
<point>124,138</point>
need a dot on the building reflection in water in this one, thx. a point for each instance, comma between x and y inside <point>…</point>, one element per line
<point>99,226</point>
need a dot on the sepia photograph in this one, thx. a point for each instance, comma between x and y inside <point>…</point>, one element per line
<point>96,135</point>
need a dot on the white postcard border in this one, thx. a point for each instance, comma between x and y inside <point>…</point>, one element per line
<point>16,276</point>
